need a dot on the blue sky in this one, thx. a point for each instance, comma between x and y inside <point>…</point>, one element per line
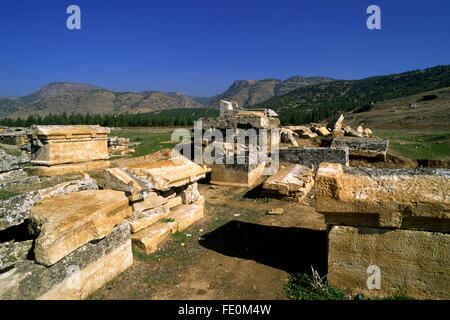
<point>201,47</point>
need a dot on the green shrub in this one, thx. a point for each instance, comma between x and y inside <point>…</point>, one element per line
<point>302,287</point>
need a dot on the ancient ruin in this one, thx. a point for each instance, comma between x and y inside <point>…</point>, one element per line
<point>57,150</point>
<point>373,220</point>
<point>67,240</point>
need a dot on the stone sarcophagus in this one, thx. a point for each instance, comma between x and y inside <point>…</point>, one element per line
<point>53,145</point>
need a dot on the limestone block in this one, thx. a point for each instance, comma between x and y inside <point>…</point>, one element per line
<point>238,175</point>
<point>62,169</point>
<point>338,133</point>
<point>313,156</point>
<point>166,174</point>
<point>67,222</point>
<point>189,193</point>
<point>174,202</point>
<point>392,198</point>
<point>75,276</point>
<point>294,181</point>
<point>322,131</point>
<point>141,220</point>
<point>180,218</point>
<point>363,147</point>
<point>147,239</point>
<point>412,263</point>
<point>117,179</point>
<point>11,253</point>
<point>153,199</point>
<point>186,215</point>
<point>288,136</point>
<point>15,210</point>
<point>9,162</point>
<point>68,144</point>
<point>336,123</point>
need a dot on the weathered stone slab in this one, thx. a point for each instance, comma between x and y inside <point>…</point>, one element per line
<point>117,179</point>
<point>179,219</point>
<point>12,175</point>
<point>412,263</point>
<point>153,199</point>
<point>14,210</point>
<point>166,174</point>
<point>68,144</point>
<point>236,174</point>
<point>363,147</point>
<point>148,239</point>
<point>185,215</point>
<point>75,276</point>
<point>16,179</point>
<point>335,123</point>
<point>232,119</point>
<point>9,162</point>
<point>65,223</point>
<point>322,131</point>
<point>62,169</point>
<point>174,202</point>
<point>141,220</point>
<point>14,136</point>
<point>11,253</point>
<point>288,136</point>
<point>390,198</point>
<point>291,182</point>
<point>313,156</point>
<point>189,193</point>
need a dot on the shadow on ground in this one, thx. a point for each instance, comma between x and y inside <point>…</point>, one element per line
<point>288,249</point>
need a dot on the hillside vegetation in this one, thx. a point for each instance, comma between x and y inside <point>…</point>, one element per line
<point>318,102</point>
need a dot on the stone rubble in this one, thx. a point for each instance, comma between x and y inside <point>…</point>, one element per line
<point>363,147</point>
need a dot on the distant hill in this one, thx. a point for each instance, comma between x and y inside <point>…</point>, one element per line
<point>250,92</point>
<point>82,98</point>
<point>430,110</point>
<point>317,102</point>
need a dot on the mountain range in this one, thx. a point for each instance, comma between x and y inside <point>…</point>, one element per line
<point>69,97</point>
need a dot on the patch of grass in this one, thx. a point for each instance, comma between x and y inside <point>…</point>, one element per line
<point>302,287</point>
<point>263,200</point>
<point>150,141</point>
<point>180,237</point>
<point>418,144</point>
<point>166,220</point>
<point>7,194</point>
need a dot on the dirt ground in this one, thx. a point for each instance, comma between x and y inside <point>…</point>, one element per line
<point>237,251</point>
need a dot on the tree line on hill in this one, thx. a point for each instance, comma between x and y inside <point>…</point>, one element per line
<point>317,102</point>
<point>166,118</point>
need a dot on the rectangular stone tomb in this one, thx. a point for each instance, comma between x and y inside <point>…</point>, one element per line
<point>363,147</point>
<point>313,156</point>
<point>65,223</point>
<point>179,218</point>
<point>244,171</point>
<point>386,263</point>
<point>290,183</point>
<point>166,174</point>
<point>416,199</point>
<point>76,275</point>
<point>68,144</point>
